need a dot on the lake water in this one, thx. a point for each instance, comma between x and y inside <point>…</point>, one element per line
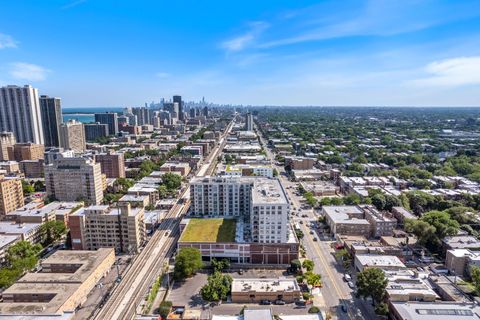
<point>86,114</point>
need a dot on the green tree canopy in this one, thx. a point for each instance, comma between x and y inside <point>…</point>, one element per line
<point>372,283</point>
<point>187,262</point>
<point>52,231</point>
<point>217,288</point>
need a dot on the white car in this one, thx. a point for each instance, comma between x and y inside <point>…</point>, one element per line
<point>347,277</point>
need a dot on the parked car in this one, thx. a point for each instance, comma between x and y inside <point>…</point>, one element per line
<point>351,285</point>
<point>279,302</point>
<point>301,303</point>
<point>311,232</point>
<point>344,308</point>
<point>347,277</point>
<point>265,302</point>
<point>315,239</point>
<point>240,271</point>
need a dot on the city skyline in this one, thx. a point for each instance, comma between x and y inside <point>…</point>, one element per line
<point>318,53</point>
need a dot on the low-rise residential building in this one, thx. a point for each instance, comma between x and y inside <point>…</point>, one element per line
<point>346,220</point>
<point>299,163</point>
<point>458,261</point>
<point>361,220</point>
<point>365,261</point>
<point>66,279</point>
<point>405,285</point>
<point>247,170</point>
<point>25,231</point>
<point>255,290</point>
<point>5,242</point>
<point>433,310</point>
<point>182,169</point>
<point>461,242</point>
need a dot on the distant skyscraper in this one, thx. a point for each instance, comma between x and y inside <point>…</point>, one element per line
<point>20,113</point>
<point>205,111</point>
<point>95,130</point>
<point>181,115</point>
<point>144,115</point>
<point>110,118</point>
<point>72,136</point>
<point>249,122</point>
<point>51,112</point>
<point>192,113</point>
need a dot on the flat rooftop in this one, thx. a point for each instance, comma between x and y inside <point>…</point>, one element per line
<point>61,286</point>
<point>268,191</point>
<point>436,310</point>
<point>209,230</point>
<point>265,285</point>
<point>342,214</point>
<point>7,227</point>
<point>370,260</point>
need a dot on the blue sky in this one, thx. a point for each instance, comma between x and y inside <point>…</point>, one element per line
<point>119,53</point>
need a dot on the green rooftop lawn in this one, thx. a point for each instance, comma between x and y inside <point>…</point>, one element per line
<point>209,230</point>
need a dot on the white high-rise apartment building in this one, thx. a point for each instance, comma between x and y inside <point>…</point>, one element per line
<point>20,113</point>
<point>259,202</point>
<point>269,217</point>
<point>221,196</point>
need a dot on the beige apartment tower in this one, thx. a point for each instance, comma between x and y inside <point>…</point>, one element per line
<point>74,179</point>
<point>26,151</point>
<point>112,164</point>
<point>72,136</point>
<point>94,227</point>
<point>11,194</point>
<point>7,141</point>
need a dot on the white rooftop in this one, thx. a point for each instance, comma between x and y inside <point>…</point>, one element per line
<point>264,285</point>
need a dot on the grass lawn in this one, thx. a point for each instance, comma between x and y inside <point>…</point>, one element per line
<point>209,230</point>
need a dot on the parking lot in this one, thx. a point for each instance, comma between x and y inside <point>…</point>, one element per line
<point>188,294</point>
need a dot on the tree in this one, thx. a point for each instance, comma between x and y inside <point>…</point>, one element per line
<point>162,191</point>
<point>379,201</point>
<point>164,309</point>
<point>27,188</point>
<point>220,265</point>
<point>172,181</point>
<point>52,231</point>
<point>39,186</point>
<point>310,199</point>
<point>475,275</point>
<point>217,288</point>
<point>275,172</point>
<point>295,265</point>
<point>188,261</point>
<point>313,279</point>
<point>308,264</point>
<point>371,282</point>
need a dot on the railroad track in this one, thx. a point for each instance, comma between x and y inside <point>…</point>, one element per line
<point>145,268</point>
<point>128,294</point>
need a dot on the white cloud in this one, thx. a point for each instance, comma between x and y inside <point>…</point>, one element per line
<point>451,72</point>
<point>28,71</point>
<point>162,75</point>
<point>241,42</point>
<point>7,41</point>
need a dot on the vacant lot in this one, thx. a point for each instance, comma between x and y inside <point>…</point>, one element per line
<point>209,230</point>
